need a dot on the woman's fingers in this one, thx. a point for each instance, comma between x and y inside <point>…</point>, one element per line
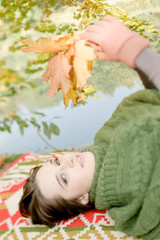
<point>97,32</point>
<point>91,36</point>
<point>93,45</point>
<point>110,18</point>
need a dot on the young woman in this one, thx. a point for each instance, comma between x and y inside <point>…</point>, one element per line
<point>121,170</point>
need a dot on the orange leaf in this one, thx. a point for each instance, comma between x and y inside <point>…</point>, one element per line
<point>50,45</point>
<point>70,53</point>
<point>83,56</point>
<point>58,72</point>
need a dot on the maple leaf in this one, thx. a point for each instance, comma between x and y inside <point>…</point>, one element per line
<point>70,53</point>
<point>58,72</point>
<point>50,45</point>
<point>82,62</point>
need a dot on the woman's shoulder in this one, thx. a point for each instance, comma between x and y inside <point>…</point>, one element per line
<point>151,96</point>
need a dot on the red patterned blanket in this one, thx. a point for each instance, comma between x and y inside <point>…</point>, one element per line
<point>93,224</point>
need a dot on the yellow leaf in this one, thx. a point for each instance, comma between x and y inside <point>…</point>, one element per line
<point>50,45</point>
<point>71,94</point>
<point>89,65</point>
<point>83,55</point>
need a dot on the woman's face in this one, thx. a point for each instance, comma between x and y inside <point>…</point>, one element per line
<point>69,176</point>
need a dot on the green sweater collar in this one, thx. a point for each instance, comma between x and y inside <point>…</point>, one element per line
<point>99,154</point>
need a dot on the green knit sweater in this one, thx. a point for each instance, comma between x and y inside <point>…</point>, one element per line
<point>127,172</point>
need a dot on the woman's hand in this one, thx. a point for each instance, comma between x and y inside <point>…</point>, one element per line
<point>114,41</point>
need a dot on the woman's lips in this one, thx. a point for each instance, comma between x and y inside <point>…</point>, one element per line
<point>80,160</point>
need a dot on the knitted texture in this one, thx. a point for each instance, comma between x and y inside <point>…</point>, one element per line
<point>127,177</point>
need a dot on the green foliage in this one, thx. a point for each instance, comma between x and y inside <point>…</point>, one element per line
<point>33,66</point>
<point>54,129</point>
<point>11,82</point>
<point>20,14</point>
<point>107,79</point>
<point>93,10</point>
<point>9,85</point>
<point>48,129</point>
<point>9,75</point>
<point>12,158</point>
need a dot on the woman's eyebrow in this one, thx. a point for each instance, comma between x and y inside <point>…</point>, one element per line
<point>59,181</point>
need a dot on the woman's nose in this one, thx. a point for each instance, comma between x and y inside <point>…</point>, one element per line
<point>69,162</point>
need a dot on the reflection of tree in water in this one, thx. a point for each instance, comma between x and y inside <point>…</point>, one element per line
<point>31,98</point>
<point>107,76</point>
<point>38,98</point>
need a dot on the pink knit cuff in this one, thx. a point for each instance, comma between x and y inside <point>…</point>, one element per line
<point>132,48</point>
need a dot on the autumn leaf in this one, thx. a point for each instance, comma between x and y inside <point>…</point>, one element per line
<point>67,70</point>
<point>51,45</point>
<point>83,57</point>
<point>72,94</point>
<point>58,72</point>
<point>70,53</point>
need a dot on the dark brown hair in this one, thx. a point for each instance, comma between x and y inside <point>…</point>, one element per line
<point>46,212</point>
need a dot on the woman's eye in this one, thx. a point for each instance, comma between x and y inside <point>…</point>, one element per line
<point>64,178</point>
<point>57,161</point>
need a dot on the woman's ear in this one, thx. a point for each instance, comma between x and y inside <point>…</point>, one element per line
<point>84,199</point>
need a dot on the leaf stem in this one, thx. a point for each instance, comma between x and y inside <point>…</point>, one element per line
<point>46,142</point>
